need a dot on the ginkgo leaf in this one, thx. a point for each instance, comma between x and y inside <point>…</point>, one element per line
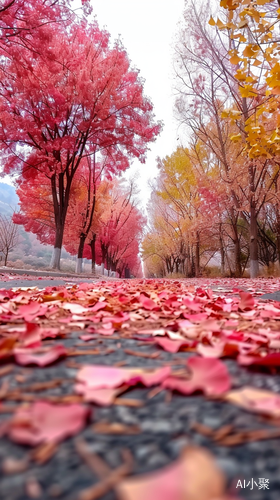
<point>235,59</point>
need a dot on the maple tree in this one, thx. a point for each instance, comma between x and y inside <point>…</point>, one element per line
<point>76,98</point>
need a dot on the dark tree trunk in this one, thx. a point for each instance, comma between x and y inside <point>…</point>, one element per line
<point>79,266</point>
<point>93,257</point>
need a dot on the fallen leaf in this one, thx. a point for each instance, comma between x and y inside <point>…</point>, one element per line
<point>101,376</point>
<point>270,359</point>
<point>115,428</point>
<point>32,356</point>
<point>44,422</point>
<point>209,375</point>
<point>172,345</point>
<point>255,400</point>
<point>194,476</point>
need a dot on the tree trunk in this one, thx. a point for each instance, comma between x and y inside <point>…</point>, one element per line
<point>237,263</point>
<point>222,250</point>
<point>55,260</point>
<point>92,246</point>
<point>254,262</point>
<point>197,260</point>
<point>79,263</point>
<point>6,258</point>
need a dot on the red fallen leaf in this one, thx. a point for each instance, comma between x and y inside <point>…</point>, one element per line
<point>147,303</point>
<point>46,422</point>
<point>32,356</point>
<point>171,345</point>
<point>31,336</point>
<point>6,347</point>
<point>32,310</point>
<point>194,476</point>
<point>271,359</point>
<point>209,375</point>
<point>101,376</point>
<point>247,302</point>
<point>194,305</point>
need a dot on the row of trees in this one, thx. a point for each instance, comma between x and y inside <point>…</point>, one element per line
<point>221,193</point>
<point>103,222</point>
<point>72,114</point>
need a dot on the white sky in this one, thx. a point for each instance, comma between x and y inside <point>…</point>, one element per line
<point>147,29</point>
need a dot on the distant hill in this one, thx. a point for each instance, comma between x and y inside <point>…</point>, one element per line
<point>8,199</point>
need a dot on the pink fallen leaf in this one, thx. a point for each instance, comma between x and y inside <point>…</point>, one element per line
<point>46,422</point>
<point>74,308</point>
<point>110,377</point>
<point>194,476</point>
<point>147,303</point>
<point>32,310</point>
<point>31,336</point>
<point>98,306</point>
<point>256,400</point>
<point>86,337</point>
<point>209,375</point>
<point>211,351</point>
<point>102,397</point>
<point>41,358</point>
<point>47,333</point>
<point>247,302</point>
<point>171,345</point>
<point>196,317</point>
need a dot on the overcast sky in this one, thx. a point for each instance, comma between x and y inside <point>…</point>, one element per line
<point>147,29</point>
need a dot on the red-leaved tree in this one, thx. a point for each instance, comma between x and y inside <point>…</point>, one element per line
<point>72,98</point>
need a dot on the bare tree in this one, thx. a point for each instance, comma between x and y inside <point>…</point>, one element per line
<point>8,235</point>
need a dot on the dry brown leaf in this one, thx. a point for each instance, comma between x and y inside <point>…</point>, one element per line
<point>140,354</point>
<point>128,402</point>
<point>115,428</point>
<point>44,452</point>
<point>202,429</point>
<point>108,479</point>
<point>4,370</point>
<point>33,488</point>
<point>93,461</point>
<point>15,466</point>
